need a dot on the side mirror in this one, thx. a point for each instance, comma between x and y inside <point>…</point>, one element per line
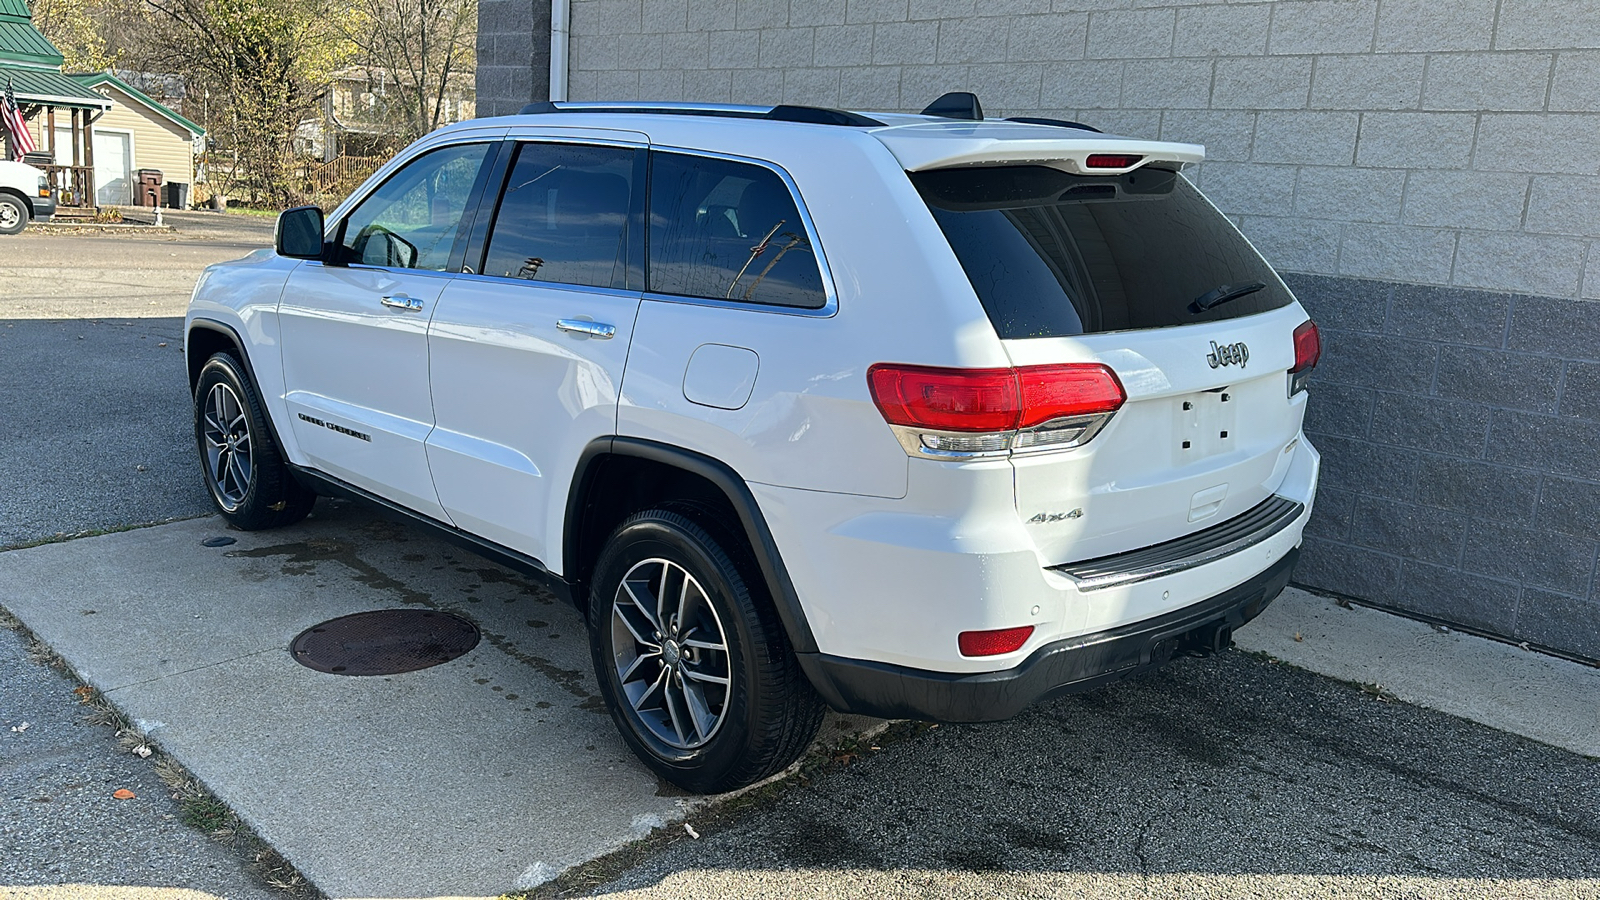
<point>299,234</point>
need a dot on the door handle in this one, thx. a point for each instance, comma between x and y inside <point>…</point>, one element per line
<point>583,326</point>
<point>402,302</point>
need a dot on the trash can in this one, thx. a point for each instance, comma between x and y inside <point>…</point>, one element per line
<point>149,188</point>
<point>177,195</point>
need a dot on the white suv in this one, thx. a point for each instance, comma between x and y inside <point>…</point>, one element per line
<point>923,416</point>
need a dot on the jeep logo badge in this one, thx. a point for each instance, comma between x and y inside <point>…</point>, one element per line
<point>1228,354</point>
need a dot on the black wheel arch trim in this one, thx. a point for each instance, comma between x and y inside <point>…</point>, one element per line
<point>27,202</point>
<point>733,486</point>
<point>228,332</point>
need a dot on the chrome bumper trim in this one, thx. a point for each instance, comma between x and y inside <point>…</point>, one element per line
<point>1198,549</point>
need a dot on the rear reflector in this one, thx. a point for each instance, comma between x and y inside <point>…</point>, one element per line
<point>1111,160</point>
<point>993,643</point>
<point>1307,350</point>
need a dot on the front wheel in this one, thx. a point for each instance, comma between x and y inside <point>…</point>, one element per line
<point>13,214</point>
<point>694,664</point>
<point>244,469</point>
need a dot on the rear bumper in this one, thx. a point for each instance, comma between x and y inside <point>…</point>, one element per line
<point>1066,666</point>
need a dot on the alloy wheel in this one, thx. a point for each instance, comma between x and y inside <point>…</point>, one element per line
<point>671,654</point>
<point>230,455</point>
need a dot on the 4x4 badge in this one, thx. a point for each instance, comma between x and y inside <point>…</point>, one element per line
<point>1228,354</point>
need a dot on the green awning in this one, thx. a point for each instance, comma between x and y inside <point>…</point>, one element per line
<point>45,87</point>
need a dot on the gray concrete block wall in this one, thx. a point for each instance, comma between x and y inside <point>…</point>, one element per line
<point>513,54</point>
<point>1427,172</point>
<point>1469,130</point>
<point>1461,451</point>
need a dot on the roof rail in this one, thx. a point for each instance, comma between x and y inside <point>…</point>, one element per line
<point>812,115</point>
<point>1059,123</point>
<point>956,105</point>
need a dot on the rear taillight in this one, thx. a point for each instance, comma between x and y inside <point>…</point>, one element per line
<point>993,643</point>
<point>1307,350</point>
<point>984,412</point>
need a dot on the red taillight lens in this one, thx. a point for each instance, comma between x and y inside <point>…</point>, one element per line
<point>1110,160</point>
<point>1307,346</point>
<point>1074,389</point>
<point>993,643</point>
<point>946,399</point>
<point>991,400</point>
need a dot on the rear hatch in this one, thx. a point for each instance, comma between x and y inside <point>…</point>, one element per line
<point>1137,271</point>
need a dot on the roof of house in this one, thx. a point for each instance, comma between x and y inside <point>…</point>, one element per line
<point>31,65</point>
<point>20,42</point>
<point>96,79</point>
<point>48,87</point>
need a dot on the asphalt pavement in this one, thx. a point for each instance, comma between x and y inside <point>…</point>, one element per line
<point>1221,778</point>
<point>95,434</point>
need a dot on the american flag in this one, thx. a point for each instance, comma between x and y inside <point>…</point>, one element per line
<point>16,126</point>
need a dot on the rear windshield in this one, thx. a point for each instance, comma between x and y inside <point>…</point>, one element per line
<point>1051,254</point>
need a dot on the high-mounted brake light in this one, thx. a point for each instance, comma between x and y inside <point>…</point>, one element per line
<point>980,412</point>
<point>1307,350</point>
<point>993,643</point>
<point>1111,160</point>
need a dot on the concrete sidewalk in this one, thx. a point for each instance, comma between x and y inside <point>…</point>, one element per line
<point>491,772</point>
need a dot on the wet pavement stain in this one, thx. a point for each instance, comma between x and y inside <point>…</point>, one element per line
<point>301,557</point>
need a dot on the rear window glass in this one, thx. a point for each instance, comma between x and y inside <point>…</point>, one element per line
<point>728,231</point>
<point>1053,254</point>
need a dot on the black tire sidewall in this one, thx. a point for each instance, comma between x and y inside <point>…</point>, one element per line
<point>255,509</point>
<point>659,534</point>
<point>22,214</point>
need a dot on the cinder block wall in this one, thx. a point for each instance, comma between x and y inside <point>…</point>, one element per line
<point>513,55</point>
<point>1425,172</point>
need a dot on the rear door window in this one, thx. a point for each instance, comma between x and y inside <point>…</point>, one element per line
<point>1052,254</point>
<point>564,216</point>
<point>728,230</point>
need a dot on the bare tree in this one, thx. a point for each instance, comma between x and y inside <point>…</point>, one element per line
<point>424,46</point>
<point>263,66</point>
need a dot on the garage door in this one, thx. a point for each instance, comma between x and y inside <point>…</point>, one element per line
<point>113,164</point>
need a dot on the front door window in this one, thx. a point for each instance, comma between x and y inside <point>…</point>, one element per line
<point>414,220</point>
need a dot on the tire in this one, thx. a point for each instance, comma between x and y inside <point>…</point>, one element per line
<point>737,733</point>
<point>242,465</point>
<point>13,214</point>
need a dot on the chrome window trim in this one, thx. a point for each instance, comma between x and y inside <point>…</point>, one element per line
<point>830,305</point>
<point>1208,545</point>
<point>551,285</point>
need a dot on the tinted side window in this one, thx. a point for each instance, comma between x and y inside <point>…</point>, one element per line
<point>1052,254</point>
<point>413,220</point>
<point>564,216</point>
<point>728,231</point>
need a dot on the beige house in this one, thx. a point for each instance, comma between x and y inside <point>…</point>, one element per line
<point>138,133</point>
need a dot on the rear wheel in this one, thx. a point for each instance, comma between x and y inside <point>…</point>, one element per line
<point>693,663</point>
<point>244,470</point>
<point>13,214</point>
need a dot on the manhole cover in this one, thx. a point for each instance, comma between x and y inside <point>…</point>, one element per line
<point>384,642</point>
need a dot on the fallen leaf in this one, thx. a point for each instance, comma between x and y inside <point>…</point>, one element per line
<point>690,829</point>
<point>162,344</point>
<point>143,751</point>
<point>1298,637</point>
<point>84,692</point>
<point>20,728</point>
<point>123,794</point>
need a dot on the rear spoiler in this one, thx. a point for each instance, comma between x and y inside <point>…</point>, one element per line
<point>942,145</point>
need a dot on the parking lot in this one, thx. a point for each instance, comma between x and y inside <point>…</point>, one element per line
<point>1232,776</point>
